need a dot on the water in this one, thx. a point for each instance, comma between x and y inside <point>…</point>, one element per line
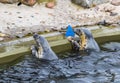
<point>102,67</point>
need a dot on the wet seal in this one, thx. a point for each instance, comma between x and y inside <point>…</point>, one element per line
<point>87,41</point>
<point>42,49</point>
<point>84,40</point>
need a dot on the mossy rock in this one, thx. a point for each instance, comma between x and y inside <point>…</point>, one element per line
<point>28,2</point>
<point>89,3</point>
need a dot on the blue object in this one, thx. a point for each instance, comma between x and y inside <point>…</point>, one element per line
<point>69,32</point>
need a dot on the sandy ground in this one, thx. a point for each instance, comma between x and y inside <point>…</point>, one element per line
<point>24,19</point>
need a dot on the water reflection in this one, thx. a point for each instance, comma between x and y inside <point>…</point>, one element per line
<point>112,46</point>
<point>102,67</point>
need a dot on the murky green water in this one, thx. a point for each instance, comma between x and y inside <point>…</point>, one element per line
<point>102,67</point>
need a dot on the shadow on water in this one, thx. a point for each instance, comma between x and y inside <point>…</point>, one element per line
<point>72,67</point>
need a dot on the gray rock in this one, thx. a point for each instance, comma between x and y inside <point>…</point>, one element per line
<point>89,3</point>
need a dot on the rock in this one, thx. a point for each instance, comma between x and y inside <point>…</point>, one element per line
<point>9,1</point>
<point>2,35</point>
<point>27,2</point>
<point>106,8</point>
<point>109,8</point>
<point>89,3</point>
<point>50,4</point>
<point>1,39</point>
<point>115,2</point>
<point>20,35</point>
<point>113,14</point>
<point>104,23</point>
<point>114,25</point>
<point>81,3</point>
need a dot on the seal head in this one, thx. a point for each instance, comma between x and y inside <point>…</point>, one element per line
<point>85,40</point>
<point>42,49</point>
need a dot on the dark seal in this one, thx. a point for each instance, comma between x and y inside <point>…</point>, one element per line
<point>42,50</point>
<point>84,40</point>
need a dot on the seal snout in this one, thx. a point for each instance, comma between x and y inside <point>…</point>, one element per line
<point>35,36</point>
<point>37,39</point>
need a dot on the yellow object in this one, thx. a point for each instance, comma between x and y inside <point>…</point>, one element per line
<point>83,41</point>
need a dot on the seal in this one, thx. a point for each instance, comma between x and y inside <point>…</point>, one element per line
<point>42,50</point>
<point>85,40</point>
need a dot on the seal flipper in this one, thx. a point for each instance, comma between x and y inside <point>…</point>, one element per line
<point>34,51</point>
